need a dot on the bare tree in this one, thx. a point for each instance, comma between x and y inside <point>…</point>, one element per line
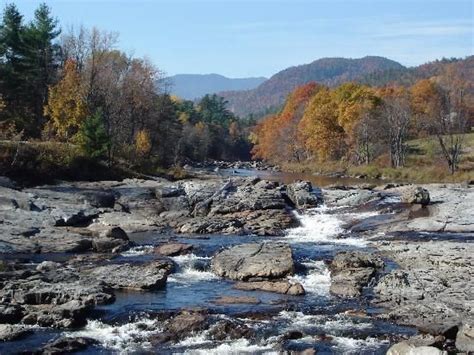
<point>450,125</point>
<point>397,113</point>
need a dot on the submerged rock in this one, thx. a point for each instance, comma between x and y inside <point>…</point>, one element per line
<point>174,249</point>
<point>254,261</point>
<point>230,330</point>
<point>9,332</point>
<point>283,287</point>
<point>236,300</point>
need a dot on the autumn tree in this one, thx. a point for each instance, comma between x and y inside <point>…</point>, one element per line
<point>67,107</point>
<point>319,127</point>
<point>442,110</point>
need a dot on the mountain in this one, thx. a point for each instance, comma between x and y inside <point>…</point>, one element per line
<point>271,94</point>
<point>193,86</point>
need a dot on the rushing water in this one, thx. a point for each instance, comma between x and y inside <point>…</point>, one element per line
<point>329,324</point>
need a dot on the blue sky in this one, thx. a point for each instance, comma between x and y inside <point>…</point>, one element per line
<point>260,37</point>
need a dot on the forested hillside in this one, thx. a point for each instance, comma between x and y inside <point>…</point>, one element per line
<point>360,125</point>
<point>79,89</point>
<point>270,95</point>
<point>195,86</point>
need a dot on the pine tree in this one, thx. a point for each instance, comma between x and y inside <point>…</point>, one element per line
<point>93,137</point>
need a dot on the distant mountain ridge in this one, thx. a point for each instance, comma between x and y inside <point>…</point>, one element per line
<point>272,93</point>
<point>193,86</point>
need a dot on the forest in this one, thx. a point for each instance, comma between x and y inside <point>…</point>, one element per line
<point>361,125</point>
<point>76,89</point>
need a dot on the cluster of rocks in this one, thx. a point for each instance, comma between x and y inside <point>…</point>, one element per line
<point>248,165</point>
<point>84,216</point>
<point>258,266</point>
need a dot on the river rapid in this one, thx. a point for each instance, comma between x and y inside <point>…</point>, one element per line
<point>323,322</point>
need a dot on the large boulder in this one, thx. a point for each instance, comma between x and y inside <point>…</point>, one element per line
<point>148,276</point>
<point>302,195</point>
<point>351,271</point>
<point>416,195</point>
<point>405,348</point>
<point>465,338</point>
<point>254,261</point>
<point>9,332</point>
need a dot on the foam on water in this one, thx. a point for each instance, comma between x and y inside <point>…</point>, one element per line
<point>317,281</point>
<point>357,346</point>
<point>239,346</point>
<point>187,271</point>
<point>124,338</point>
<point>319,226</point>
<point>139,250</point>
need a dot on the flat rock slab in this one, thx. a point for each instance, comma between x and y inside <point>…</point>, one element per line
<point>283,287</point>
<point>254,261</point>
<point>138,277</point>
<point>236,300</point>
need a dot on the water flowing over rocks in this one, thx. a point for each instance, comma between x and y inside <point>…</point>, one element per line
<point>69,248</point>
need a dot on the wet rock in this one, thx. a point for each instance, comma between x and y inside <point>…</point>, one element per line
<point>236,300</point>
<point>351,271</point>
<point>11,313</point>
<point>71,314</point>
<point>182,325</point>
<point>7,182</point>
<point>465,338</point>
<point>116,233</point>
<point>169,191</point>
<point>148,276</point>
<point>257,260</point>
<point>283,287</point>
<point>292,335</point>
<point>67,345</point>
<point>415,195</point>
<point>404,348</point>
<point>174,249</point>
<point>9,332</point>
<point>302,195</point>
<point>99,198</point>
<point>230,330</point>
<point>109,245</point>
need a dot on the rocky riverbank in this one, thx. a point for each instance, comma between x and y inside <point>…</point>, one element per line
<point>63,248</point>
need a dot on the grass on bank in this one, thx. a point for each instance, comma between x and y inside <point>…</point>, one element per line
<point>424,164</point>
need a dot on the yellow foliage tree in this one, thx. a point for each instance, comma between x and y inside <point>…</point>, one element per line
<point>66,106</point>
<point>319,127</point>
<point>142,142</point>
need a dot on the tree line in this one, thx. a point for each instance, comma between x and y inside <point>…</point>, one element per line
<point>360,124</point>
<point>77,87</point>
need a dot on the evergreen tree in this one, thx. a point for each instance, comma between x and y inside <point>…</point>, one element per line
<point>93,137</point>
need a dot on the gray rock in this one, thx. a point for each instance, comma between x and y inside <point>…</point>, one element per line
<point>11,313</point>
<point>174,249</point>
<point>99,198</point>
<point>67,345</point>
<point>351,271</point>
<point>404,348</point>
<point>283,287</point>
<point>230,330</point>
<point>254,261</point>
<point>465,338</point>
<point>302,195</point>
<point>148,276</point>
<point>7,182</point>
<point>415,195</point>
<point>9,332</point>
<point>116,233</point>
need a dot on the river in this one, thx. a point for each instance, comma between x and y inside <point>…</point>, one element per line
<point>328,324</point>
